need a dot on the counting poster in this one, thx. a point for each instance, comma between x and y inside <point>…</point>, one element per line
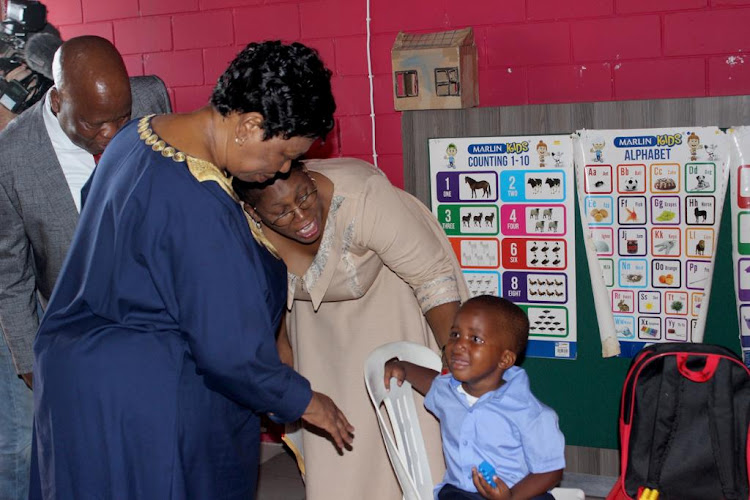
<point>506,204</point>
<point>740,202</point>
<point>651,204</point>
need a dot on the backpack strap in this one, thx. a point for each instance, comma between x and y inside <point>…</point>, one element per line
<point>702,375</point>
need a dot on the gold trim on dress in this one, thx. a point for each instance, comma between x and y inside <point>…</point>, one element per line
<point>206,171</point>
<point>203,171</point>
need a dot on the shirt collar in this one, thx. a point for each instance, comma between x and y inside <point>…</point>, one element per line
<point>319,275</point>
<point>510,376</point>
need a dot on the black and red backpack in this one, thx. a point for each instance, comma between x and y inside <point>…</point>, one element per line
<point>684,420</point>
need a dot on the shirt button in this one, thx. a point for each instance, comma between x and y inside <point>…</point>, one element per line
<point>465,443</point>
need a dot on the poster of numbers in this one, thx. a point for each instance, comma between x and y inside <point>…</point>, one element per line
<point>740,203</point>
<point>651,204</point>
<point>506,204</point>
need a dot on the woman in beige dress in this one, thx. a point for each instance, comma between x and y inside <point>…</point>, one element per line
<point>367,264</point>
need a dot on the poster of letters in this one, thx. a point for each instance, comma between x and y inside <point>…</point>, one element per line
<point>507,206</point>
<point>740,203</point>
<point>651,204</point>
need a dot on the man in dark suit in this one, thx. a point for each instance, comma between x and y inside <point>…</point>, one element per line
<point>48,153</point>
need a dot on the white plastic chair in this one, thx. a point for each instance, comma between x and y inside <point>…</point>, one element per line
<point>407,452</point>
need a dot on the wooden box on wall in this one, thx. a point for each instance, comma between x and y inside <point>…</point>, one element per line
<point>435,70</point>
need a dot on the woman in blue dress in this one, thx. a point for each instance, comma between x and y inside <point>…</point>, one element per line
<point>157,354</point>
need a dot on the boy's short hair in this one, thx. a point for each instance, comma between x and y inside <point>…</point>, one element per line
<point>513,317</point>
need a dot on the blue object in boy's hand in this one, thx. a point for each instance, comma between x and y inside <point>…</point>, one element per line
<point>488,472</point>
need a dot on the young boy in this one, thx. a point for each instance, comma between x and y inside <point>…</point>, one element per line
<point>486,409</point>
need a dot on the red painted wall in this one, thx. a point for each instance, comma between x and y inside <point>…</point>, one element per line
<point>530,51</point>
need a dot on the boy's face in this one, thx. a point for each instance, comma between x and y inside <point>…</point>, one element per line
<point>477,352</point>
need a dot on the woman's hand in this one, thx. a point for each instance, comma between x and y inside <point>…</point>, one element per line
<point>499,492</point>
<point>323,413</point>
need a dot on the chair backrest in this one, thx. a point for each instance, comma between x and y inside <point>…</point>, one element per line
<point>405,446</point>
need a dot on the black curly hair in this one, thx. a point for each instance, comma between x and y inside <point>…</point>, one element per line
<point>287,84</point>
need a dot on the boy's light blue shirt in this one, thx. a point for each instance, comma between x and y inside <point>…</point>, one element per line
<point>508,427</point>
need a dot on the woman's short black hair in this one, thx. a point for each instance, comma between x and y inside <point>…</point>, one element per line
<point>251,192</point>
<point>287,84</point>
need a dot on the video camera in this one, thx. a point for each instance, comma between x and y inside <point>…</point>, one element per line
<point>24,16</point>
<point>20,88</point>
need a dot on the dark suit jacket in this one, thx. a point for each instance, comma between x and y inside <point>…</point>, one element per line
<point>38,217</point>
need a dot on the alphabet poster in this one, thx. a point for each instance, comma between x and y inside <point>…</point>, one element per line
<point>651,203</point>
<point>506,204</point>
<point>740,203</point>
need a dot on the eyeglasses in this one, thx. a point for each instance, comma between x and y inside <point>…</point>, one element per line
<point>303,203</point>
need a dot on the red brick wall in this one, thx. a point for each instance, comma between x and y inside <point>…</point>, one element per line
<point>530,51</point>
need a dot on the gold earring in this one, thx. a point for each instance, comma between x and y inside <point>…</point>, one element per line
<point>258,223</point>
<point>238,141</point>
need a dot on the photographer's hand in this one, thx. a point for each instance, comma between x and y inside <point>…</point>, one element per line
<point>18,73</point>
<point>6,116</point>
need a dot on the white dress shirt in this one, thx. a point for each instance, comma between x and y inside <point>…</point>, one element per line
<point>77,164</point>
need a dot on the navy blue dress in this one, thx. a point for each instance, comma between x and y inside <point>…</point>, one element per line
<point>157,351</point>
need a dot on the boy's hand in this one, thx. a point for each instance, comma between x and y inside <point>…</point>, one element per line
<point>419,377</point>
<point>394,368</point>
<point>499,492</point>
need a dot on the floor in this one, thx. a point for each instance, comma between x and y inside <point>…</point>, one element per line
<point>279,477</point>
